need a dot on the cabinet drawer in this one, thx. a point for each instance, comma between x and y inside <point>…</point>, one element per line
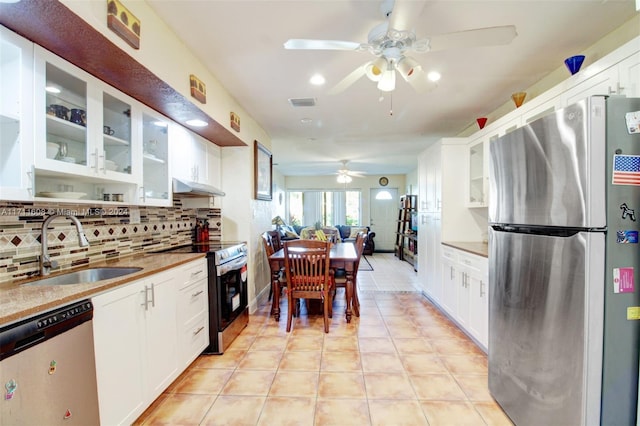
<point>194,337</point>
<point>192,301</point>
<point>470,261</point>
<point>193,272</point>
<point>449,253</point>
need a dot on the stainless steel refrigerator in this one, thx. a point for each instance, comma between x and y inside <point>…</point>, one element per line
<point>563,256</point>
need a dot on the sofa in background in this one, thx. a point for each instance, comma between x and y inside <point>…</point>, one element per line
<point>347,233</point>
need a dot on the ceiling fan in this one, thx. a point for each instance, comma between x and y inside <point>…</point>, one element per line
<point>391,45</point>
<point>345,175</point>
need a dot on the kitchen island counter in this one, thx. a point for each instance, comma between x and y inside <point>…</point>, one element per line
<point>18,300</point>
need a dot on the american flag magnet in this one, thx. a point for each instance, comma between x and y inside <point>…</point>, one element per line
<point>626,170</point>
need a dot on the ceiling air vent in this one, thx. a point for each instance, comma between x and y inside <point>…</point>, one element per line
<point>302,102</point>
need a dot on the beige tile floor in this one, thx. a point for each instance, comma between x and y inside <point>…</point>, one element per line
<point>400,363</point>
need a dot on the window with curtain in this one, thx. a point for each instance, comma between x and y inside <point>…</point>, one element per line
<point>307,207</point>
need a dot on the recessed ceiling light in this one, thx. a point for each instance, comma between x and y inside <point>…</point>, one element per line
<point>160,123</point>
<point>317,80</point>
<point>196,123</point>
<point>434,76</point>
<point>305,120</point>
<point>52,89</point>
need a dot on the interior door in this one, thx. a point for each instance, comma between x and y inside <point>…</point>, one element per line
<point>384,216</point>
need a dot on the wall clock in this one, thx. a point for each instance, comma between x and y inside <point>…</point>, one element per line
<point>383,181</point>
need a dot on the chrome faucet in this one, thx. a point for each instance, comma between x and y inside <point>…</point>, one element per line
<point>45,263</point>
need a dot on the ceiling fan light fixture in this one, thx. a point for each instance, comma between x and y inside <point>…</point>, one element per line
<point>375,68</point>
<point>388,81</point>
<point>317,80</point>
<point>344,178</point>
<point>434,76</point>
<point>407,67</point>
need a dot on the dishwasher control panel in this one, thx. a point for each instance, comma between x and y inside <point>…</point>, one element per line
<point>26,333</point>
<point>67,313</point>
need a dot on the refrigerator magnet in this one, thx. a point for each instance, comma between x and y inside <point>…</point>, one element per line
<point>627,237</point>
<point>626,170</point>
<point>627,213</point>
<point>633,122</point>
<point>633,313</point>
<point>11,387</point>
<point>623,280</point>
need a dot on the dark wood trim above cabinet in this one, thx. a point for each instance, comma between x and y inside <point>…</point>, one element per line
<point>53,26</point>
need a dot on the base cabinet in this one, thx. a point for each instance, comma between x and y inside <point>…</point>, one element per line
<point>138,344</point>
<point>465,298</point>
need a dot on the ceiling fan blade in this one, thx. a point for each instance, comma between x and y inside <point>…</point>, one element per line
<point>491,36</point>
<point>404,14</point>
<point>351,78</point>
<point>305,44</point>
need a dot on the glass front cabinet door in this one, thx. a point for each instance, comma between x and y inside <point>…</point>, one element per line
<point>16,112</point>
<point>477,184</point>
<point>155,188</point>
<point>83,128</point>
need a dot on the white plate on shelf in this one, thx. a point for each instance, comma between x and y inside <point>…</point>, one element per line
<point>67,195</point>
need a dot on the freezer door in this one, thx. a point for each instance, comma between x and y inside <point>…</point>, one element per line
<point>545,326</point>
<point>551,172</point>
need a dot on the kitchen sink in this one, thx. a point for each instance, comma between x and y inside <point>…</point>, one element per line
<point>89,275</point>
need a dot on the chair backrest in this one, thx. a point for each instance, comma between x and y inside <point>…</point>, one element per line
<point>306,264</point>
<point>331,233</point>
<point>276,242</point>
<point>361,240</point>
<point>266,241</point>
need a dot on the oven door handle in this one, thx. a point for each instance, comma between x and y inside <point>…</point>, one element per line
<point>234,265</point>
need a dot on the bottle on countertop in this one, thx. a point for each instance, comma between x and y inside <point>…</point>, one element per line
<point>205,230</point>
<point>197,237</point>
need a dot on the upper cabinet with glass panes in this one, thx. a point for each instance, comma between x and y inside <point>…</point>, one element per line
<point>83,127</point>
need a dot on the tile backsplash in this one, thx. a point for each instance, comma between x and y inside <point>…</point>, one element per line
<point>108,229</point>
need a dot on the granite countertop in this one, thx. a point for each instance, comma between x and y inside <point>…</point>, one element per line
<point>477,248</point>
<point>18,301</point>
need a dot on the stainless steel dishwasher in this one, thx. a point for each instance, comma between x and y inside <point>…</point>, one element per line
<point>47,369</point>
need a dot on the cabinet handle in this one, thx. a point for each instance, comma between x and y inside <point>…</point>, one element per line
<point>142,195</point>
<point>197,294</point>
<point>104,162</point>
<point>146,298</point>
<point>195,333</point>
<point>482,293</point>
<point>153,295</point>
<point>95,157</point>
<point>193,274</point>
<point>32,183</point>
<point>452,275</point>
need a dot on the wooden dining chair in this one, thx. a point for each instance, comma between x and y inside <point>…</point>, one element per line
<point>306,265</point>
<point>340,277</point>
<point>269,248</point>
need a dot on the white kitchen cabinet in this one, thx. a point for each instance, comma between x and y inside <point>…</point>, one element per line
<point>156,183</point>
<point>16,115</point>
<point>629,76</point>
<point>85,139</point>
<point>193,312</point>
<point>474,278</point>
<point>465,280</point>
<point>135,329</point>
<point>603,83</point>
<point>188,155</point>
<point>450,280</point>
<point>477,185</point>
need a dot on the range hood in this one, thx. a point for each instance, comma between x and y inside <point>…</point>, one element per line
<point>195,189</point>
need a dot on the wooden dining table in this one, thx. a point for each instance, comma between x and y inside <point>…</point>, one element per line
<point>341,256</point>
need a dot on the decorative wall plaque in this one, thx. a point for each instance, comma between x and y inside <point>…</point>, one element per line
<point>235,121</point>
<point>198,89</point>
<point>123,23</point>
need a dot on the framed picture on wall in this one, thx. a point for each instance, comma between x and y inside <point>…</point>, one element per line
<point>262,173</point>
